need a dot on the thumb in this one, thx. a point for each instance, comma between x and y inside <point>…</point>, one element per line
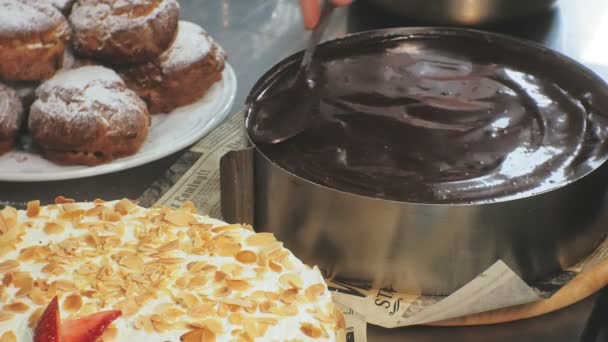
<point>310,12</point>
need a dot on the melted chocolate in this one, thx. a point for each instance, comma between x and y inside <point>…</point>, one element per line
<point>428,123</point>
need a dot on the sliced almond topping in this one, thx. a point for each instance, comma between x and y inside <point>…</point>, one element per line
<point>110,333</point>
<point>222,291</point>
<point>124,206</point>
<point>225,228</point>
<point>16,307</point>
<point>275,267</point>
<point>65,286</point>
<point>238,285</point>
<point>198,335</point>
<point>169,246</point>
<point>6,315</point>
<point>8,265</point>
<point>62,200</point>
<point>34,317</point>
<point>53,228</point>
<point>72,303</point>
<point>310,330</point>
<point>196,266</point>
<point>246,257</point>
<point>235,318</point>
<point>8,336</point>
<point>108,214</point>
<point>33,208</point>
<point>314,291</point>
<point>289,296</point>
<point>37,296</point>
<point>188,205</point>
<point>260,239</point>
<point>180,217</point>
<point>291,280</point>
<point>95,211</point>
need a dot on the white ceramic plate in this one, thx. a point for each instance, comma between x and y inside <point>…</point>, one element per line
<point>169,133</point>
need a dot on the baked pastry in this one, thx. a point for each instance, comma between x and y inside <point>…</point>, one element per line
<point>124,31</point>
<point>87,116</point>
<point>182,74</point>
<point>65,6</point>
<point>174,276</point>
<point>32,40</point>
<point>11,116</point>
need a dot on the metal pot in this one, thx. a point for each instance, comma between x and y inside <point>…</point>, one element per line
<point>463,12</point>
<point>428,248</point>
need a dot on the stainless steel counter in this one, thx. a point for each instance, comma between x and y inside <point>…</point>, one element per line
<point>259,33</point>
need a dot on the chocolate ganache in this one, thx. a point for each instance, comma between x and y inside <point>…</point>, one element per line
<point>440,121</point>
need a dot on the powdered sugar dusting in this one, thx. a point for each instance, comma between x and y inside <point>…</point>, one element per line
<point>61,5</point>
<point>191,45</point>
<point>11,110</point>
<point>19,18</point>
<point>81,78</point>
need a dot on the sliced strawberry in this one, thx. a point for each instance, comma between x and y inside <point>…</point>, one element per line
<point>48,327</point>
<point>89,328</point>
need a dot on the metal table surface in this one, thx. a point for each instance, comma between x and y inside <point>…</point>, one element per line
<point>259,33</point>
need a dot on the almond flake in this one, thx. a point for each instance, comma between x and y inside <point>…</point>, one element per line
<point>124,206</point>
<point>95,211</point>
<point>6,315</point>
<point>33,208</point>
<point>198,335</point>
<point>289,296</point>
<point>238,285</point>
<point>225,228</point>
<point>180,217</point>
<point>8,336</point>
<point>108,214</point>
<point>62,200</point>
<point>34,317</point>
<point>260,239</point>
<point>169,246</point>
<point>292,280</point>
<point>188,205</point>
<point>314,291</point>
<point>16,307</point>
<point>72,303</point>
<point>310,330</point>
<point>275,267</point>
<point>246,257</point>
<point>53,228</point>
<point>8,265</point>
<point>110,333</point>
<point>196,266</point>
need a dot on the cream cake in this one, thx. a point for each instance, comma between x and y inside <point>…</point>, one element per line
<point>173,274</point>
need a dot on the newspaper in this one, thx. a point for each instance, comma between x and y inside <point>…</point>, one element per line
<point>195,177</point>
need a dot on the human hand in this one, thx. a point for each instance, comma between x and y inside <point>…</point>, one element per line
<point>311,11</point>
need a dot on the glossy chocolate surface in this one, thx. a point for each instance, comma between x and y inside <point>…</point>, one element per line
<point>442,121</point>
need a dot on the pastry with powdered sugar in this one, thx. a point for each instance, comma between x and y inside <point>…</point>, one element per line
<point>87,116</point>
<point>32,40</point>
<point>182,74</point>
<point>120,32</point>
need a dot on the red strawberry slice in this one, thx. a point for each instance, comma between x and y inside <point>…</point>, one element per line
<point>47,329</point>
<point>86,329</point>
<point>89,328</point>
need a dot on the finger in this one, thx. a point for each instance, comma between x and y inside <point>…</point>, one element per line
<point>311,12</point>
<point>342,2</point>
